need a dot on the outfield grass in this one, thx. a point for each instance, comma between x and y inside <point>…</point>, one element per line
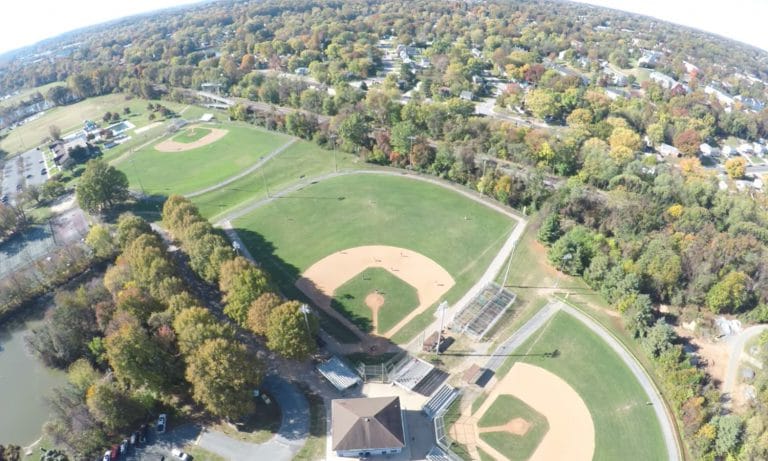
<point>294,232</point>
<point>399,299</point>
<point>70,118</point>
<point>191,134</point>
<point>166,173</point>
<point>515,447</point>
<point>624,424</point>
<point>299,161</point>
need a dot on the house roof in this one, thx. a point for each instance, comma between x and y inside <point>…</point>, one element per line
<point>368,423</point>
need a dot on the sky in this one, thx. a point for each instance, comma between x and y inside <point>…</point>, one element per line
<point>742,20</point>
<point>24,22</point>
<point>29,21</point>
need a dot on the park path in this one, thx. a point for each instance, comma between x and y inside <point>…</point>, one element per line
<point>245,172</point>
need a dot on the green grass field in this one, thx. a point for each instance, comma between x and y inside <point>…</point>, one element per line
<point>513,446</point>
<point>25,93</point>
<point>191,134</point>
<point>625,427</point>
<point>399,299</point>
<point>70,118</point>
<point>292,233</point>
<point>166,173</point>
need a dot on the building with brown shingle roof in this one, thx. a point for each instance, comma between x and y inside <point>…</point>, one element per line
<point>367,427</point>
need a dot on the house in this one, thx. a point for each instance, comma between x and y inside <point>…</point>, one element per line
<point>706,149</point>
<point>729,151</point>
<point>723,97</point>
<point>649,59</point>
<point>664,80</point>
<point>365,427</point>
<point>466,95</point>
<point>668,151</point>
<point>678,89</point>
<point>65,151</point>
<point>745,148</point>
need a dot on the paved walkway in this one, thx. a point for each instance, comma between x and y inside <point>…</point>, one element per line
<point>292,435</point>
<point>245,172</point>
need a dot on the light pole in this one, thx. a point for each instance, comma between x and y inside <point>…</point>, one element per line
<point>304,309</point>
<point>335,165</point>
<point>138,178</point>
<point>566,257</point>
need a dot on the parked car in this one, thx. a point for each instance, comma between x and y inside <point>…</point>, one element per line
<point>107,456</point>
<point>161,422</point>
<point>115,452</point>
<point>4,199</point>
<point>180,454</point>
<point>43,171</point>
<point>134,438</point>
<point>124,447</point>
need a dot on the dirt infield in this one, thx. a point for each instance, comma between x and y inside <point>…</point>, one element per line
<point>321,280</point>
<point>172,146</point>
<point>571,432</point>
<point>517,426</point>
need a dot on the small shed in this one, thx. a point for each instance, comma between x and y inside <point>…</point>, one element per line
<point>206,117</point>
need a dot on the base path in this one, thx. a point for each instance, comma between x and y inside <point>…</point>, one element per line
<point>571,433</point>
<point>321,280</point>
<point>169,145</point>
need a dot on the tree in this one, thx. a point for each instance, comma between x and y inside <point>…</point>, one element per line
<point>224,375</point>
<point>687,142</point>
<point>659,338</point>
<point>10,452</point>
<point>736,167</point>
<point>129,228</point>
<point>354,130</point>
<point>729,430</point>
<point>259,310</point>
<point>624,144</point>
<point>550,230</point>
<point>113,406</point>
<point>403,136</point>
<point>731,294</point>
<point>138,360</point>
<point>573,252</point>
<point>543,103</point>
<point>241,282</point>
<point>290,332</point>
<point>196,325</point>
<point>55,132</point>
<point>82,375</point>
<point>101,187</point>
<point>100,241</point>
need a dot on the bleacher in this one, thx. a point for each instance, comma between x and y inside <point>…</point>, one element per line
<point>410,371</point>
<point>436,454</point>
<point>483,312</point>
<point>440,400</point>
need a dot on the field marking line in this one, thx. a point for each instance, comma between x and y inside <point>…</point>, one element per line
<point>245,172</point>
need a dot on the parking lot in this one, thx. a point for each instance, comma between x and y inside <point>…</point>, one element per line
<point>159,446</point>
<point>22,171</point>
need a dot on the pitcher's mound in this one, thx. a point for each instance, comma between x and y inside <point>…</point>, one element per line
<point>518,426</point>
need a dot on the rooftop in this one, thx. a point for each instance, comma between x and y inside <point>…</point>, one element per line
<point>366,423</point>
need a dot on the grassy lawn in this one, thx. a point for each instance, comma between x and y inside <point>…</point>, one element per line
<point>192,134</point>
<point>258,427</point>
<point>201,454</point>
<point>623,422</point>
<point>301,160</point>
<point>292,233</point>
<point>70,118</point>
<point>166,173</point>
<point>399,299</point>
<point>515,447</point>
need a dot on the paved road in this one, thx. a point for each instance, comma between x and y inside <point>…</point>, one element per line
<point>734,355</point>
<point>292,435</point>
<point>246,172</point>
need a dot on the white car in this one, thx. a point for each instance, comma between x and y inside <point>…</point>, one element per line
<point>180,454</point>
<point>161,422</point>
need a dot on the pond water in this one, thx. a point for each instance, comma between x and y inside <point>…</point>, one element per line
<point>24,383</point>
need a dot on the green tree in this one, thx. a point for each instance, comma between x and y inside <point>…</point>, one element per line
<point>659,338</point>
<point>550,229</point>
<point>573,252</point>
<point>543,103</point>
<point>82,375</point>
<point>138,360</point>
<point>729,431</point>
<point>403,137</point>
<point>129,228</point>
<point>101,187</point>
<point>354,130</point>
<point>113,406</point>
<point>241,282</point>
<point>100,241</point>
<point>196,325</point>
<point>290,332</point>
<point>731,294</point>
<point>224,375</point>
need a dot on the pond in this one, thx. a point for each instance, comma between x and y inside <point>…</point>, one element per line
<point>24,384</point>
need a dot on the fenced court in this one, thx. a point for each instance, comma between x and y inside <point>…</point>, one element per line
<point>483,312</point>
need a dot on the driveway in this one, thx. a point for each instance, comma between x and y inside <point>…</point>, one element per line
<point>292,435</point>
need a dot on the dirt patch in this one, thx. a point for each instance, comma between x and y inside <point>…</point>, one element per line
<point>517,426</point>
<point>374,301</point>
<point>321,280</point>
<point>714,356</point>
<point>571,432</point>
<point>172,146</point>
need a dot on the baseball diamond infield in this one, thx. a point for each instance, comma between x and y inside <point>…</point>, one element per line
<point>169,145</point>
<point>320,281</point>
<point>571,433</point>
